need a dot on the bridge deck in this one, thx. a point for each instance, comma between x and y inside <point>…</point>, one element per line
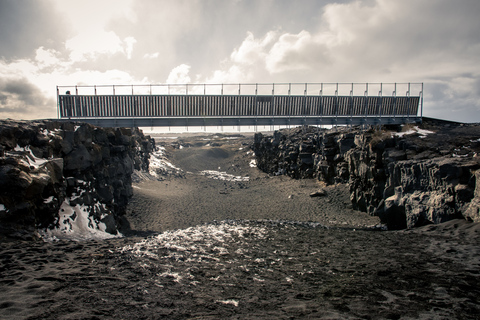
<point>205,110</point>
<point>330,105</point>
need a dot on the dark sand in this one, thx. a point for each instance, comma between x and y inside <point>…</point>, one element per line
<point>346,270</point>
<point>194,199</point>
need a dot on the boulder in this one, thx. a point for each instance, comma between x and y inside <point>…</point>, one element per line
<point>472,211</point>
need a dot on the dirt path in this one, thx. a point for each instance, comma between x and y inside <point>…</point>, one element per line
<point>195,198</point>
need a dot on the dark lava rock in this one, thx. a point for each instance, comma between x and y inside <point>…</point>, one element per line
<point>408,176</point>
<point>45,164</point>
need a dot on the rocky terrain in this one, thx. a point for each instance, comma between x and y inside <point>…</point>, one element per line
<point>66,176</point>
<point>214,237</point>
<point>408,176</point>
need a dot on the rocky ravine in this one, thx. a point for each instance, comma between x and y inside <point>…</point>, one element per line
<point>67,175</point>
<point>54,174</point>
<point>408,176</point>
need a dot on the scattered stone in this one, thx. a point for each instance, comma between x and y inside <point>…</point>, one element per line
<point>318,193</point>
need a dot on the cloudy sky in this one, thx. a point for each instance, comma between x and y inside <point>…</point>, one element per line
<point>45,43</point>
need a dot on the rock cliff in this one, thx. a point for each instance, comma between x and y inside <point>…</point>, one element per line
<point>66,175</point>
<point>408,176</point>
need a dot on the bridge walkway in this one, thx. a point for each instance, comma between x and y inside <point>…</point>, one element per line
<point>238,109</point>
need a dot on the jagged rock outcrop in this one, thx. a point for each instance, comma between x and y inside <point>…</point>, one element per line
<point>408,179</point>
<point>48,168</point>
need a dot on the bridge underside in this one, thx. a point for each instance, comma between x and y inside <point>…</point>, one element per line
<point>244,121</point>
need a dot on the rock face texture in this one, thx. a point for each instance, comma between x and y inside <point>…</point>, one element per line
<point>52,172</point>
<point>409,179</point>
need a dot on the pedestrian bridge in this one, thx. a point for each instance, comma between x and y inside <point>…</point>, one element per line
<point>279,104</point>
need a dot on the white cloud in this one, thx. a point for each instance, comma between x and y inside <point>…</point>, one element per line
<point>46,57</point>
<point>129,42</point>
<point>179,75</point>
<point>85,47</point>
<point>234,74</point>
<point>93,15</point>
<point>296,52</point>
<point>151,55</point>
<point>252,50</point>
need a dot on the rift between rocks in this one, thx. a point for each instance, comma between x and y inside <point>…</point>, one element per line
<point>45,163</point>
<point>406,180</point>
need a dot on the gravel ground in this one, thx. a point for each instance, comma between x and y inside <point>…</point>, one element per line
<point>201,248</point>
<point>193,198</point>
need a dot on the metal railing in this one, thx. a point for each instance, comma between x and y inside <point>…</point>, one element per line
<point>316,103</point>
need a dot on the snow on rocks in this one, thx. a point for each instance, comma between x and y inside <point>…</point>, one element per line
<point>47,165</point>
<point>75,223</point>
<point>414,130</point>
<point>160,165</point>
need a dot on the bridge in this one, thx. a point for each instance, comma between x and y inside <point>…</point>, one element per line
<point>277,104</point>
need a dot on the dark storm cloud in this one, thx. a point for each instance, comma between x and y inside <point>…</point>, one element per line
<point>26,25</point>
<point>20,96</point>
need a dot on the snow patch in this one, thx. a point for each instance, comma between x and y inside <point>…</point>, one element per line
<point>75,223</point>
<point>30,159</point>
<point>159,162</point>
<point>422,132</point>
<point>48,200</point>
<point>230,301</point>
<point>223,176</point>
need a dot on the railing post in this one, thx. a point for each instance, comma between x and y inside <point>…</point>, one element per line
<point>421,103</point>
<point>58,103</point>
<point>380,94</point>
<point>272,105</point>
<point>336,105</point>
<point>351,104</point>
<point>321,102</point>
<point>366,103</point>
<point>304,111</point>
<point>394,100</point>
<point>408,102</point>
<point>239,86</point>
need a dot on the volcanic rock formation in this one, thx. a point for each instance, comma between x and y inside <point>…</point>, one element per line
<point>406,175</point>
<point>52,172</point>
